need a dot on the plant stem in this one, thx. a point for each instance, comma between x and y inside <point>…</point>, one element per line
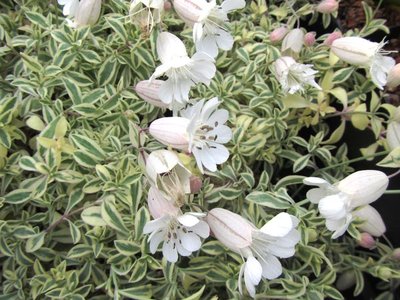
<point>394,174</point>
<point>391,192</point>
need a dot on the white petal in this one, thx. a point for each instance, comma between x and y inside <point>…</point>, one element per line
<point>155,225</point>
<point>315,195</point>
<point>169,251</point>
<point>229,5</point>
<point>220,116</point>
<point>278,226</point>
<point>206,159</point>
<point>155,240</point>
<point>271,267</point>
<point>219,153</point>
<point>222,133</point>
<point>208,44</point>
<point>240,278</point>
<point>202,229</point>
<point>190,241</point>
<point>338,226</point>
<point>224,40</point>
<point>332,207</point>
<point>181,250</point>
<point>373,222</point>
<point>252,274</point>
<point>188,220</point>
<point>170,47</point>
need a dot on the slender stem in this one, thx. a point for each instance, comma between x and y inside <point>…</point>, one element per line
<point>344,113</point>
<point>387,241</point>
<point>394,174</point>
<point>392,192</point>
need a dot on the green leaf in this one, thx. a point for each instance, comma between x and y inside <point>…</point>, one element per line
<point>90,56</point>
<point>127,248</point>
<point>75,232</point>
<point>107,71</point>
<point>197,295</point>
<point>267,199</point>
<point>37,19</point>
<point>88,145</point>
<point>31,63</point>
<point>85,159</point>
<point>75,197</point>
<point>92,216</point>
<point>18,196</point>
<point>301,163</point>
<point>289,180</point>
<point>143,292</point>
<point>141,218</point>
<point>5,138</point>
<point>111,216</point>
<point>73,90</point>
<point>35,242</point>
<point>342,75</point>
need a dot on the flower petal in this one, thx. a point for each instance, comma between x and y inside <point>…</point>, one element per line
<point>190,241</point>
<point>333,207</point>
<point>252,274</point>
<point>271,267</point>
<point>278,226</point>
<point>202,229</point>
<point>170,47</point>
<point>169,251</point>
<point>155,240</point>
<point>188,220</point>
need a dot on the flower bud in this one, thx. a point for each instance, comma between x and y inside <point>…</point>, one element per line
<point>332,37</point>
<point>372,220</point>
<point>88,12</point>
<point>230,229</point>
<point>393,79</point>
<point>355,50</point>
<point>195,184</point>
<point>366,241</point>
<point>384,273</point>
<point>171,131</point>
<point>364,187</point>
<point>293,40</point>
<point>327,6</point>
<point>278,34</point>
<point>167,5</point>
<point>190,11</point>
<point>148,91</point>
<point>159,206</point>
<point>309,39</point>
<point>396,254</point>
<point>346,280</point>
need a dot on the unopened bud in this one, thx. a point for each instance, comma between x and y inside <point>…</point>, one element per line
<point>309,39</point>
<point>312,235</point>
<point>148,91</point>
<point>332,37</point>
<point>278,34</point>
<point>384,273</point>
<point>88,12</point>
<point>231,229</point>
<point>293,40</point>
<point>159,206</point>
<point>195,184</point>
<point>327,6</point>
<point>171,131</point>
<point>372,220</point>
<point>393,135</point>
<point>366,241</point>
<point>190,11</point>
<point>393,79</point>
<point>167,5</point>
<point>396,254</point>
<point>346,280</point>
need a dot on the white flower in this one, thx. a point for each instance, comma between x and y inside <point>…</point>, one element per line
<point>146,13</point>
<point>293,76</point>
<point>86,13</point>
<point>372,220</point>
<point>149,92</point>
<point>166,172</point>
<point>293,41</point>
<point>337,203</point>
<point>200,131</point>
<point>393,79</point>
<point>70,7</point>
<point>361,52</point>
<point>393,131</point>
<point>209,19</point>
<point>260,247</point>
<point>182,72</point>
<point>179,233</point>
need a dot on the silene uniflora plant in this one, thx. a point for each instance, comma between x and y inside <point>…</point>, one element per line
<point>193,149</point>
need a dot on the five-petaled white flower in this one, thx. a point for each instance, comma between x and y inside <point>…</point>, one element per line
<point>182,72</point>
<point>208,20</point>
<point>293,76</point>
<point>337,203</point>
<point>361,52</point>
<point>70,7</point>
<point>200,130</point>
<point>179,233</point>
<point>261,247</point>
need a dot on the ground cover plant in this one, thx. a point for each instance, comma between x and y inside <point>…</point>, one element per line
<point>194,150</point>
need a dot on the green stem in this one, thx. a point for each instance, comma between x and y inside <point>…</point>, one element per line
<point>391,192</point>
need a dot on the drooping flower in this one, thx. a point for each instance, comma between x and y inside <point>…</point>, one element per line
<point>146,13</point>
<point>200,130</point>
<point>372,222</point>
<point>209,22</point>
<point>182,72</point>
<point>179,233</point>
<point>293,41</point>
<point>86,13</point>
<point>327,6</point>
<point>337,203</point>
<point>261,247</point>
<point>278,34</point>
<point>361,52</point>
<point>149,92</point>
<point>293,76</point>
<point>70,7</point>
<point>393,79</point>
<point>166,172</point>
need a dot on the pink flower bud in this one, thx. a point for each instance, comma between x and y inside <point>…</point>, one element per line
<point>332,37</point>
<point>230,229</point>
<point>309,39</point>
<point>171,131</point>
<point>148,91</point>
<point>278,34</point>
<point>327,6</point>
<point>195,184</point>
<point>88,12</point>
<point>190,11</point>
<point>159,206</point>
<point>393,79</point>
<point>366,241</point>
<point>167,5</point>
